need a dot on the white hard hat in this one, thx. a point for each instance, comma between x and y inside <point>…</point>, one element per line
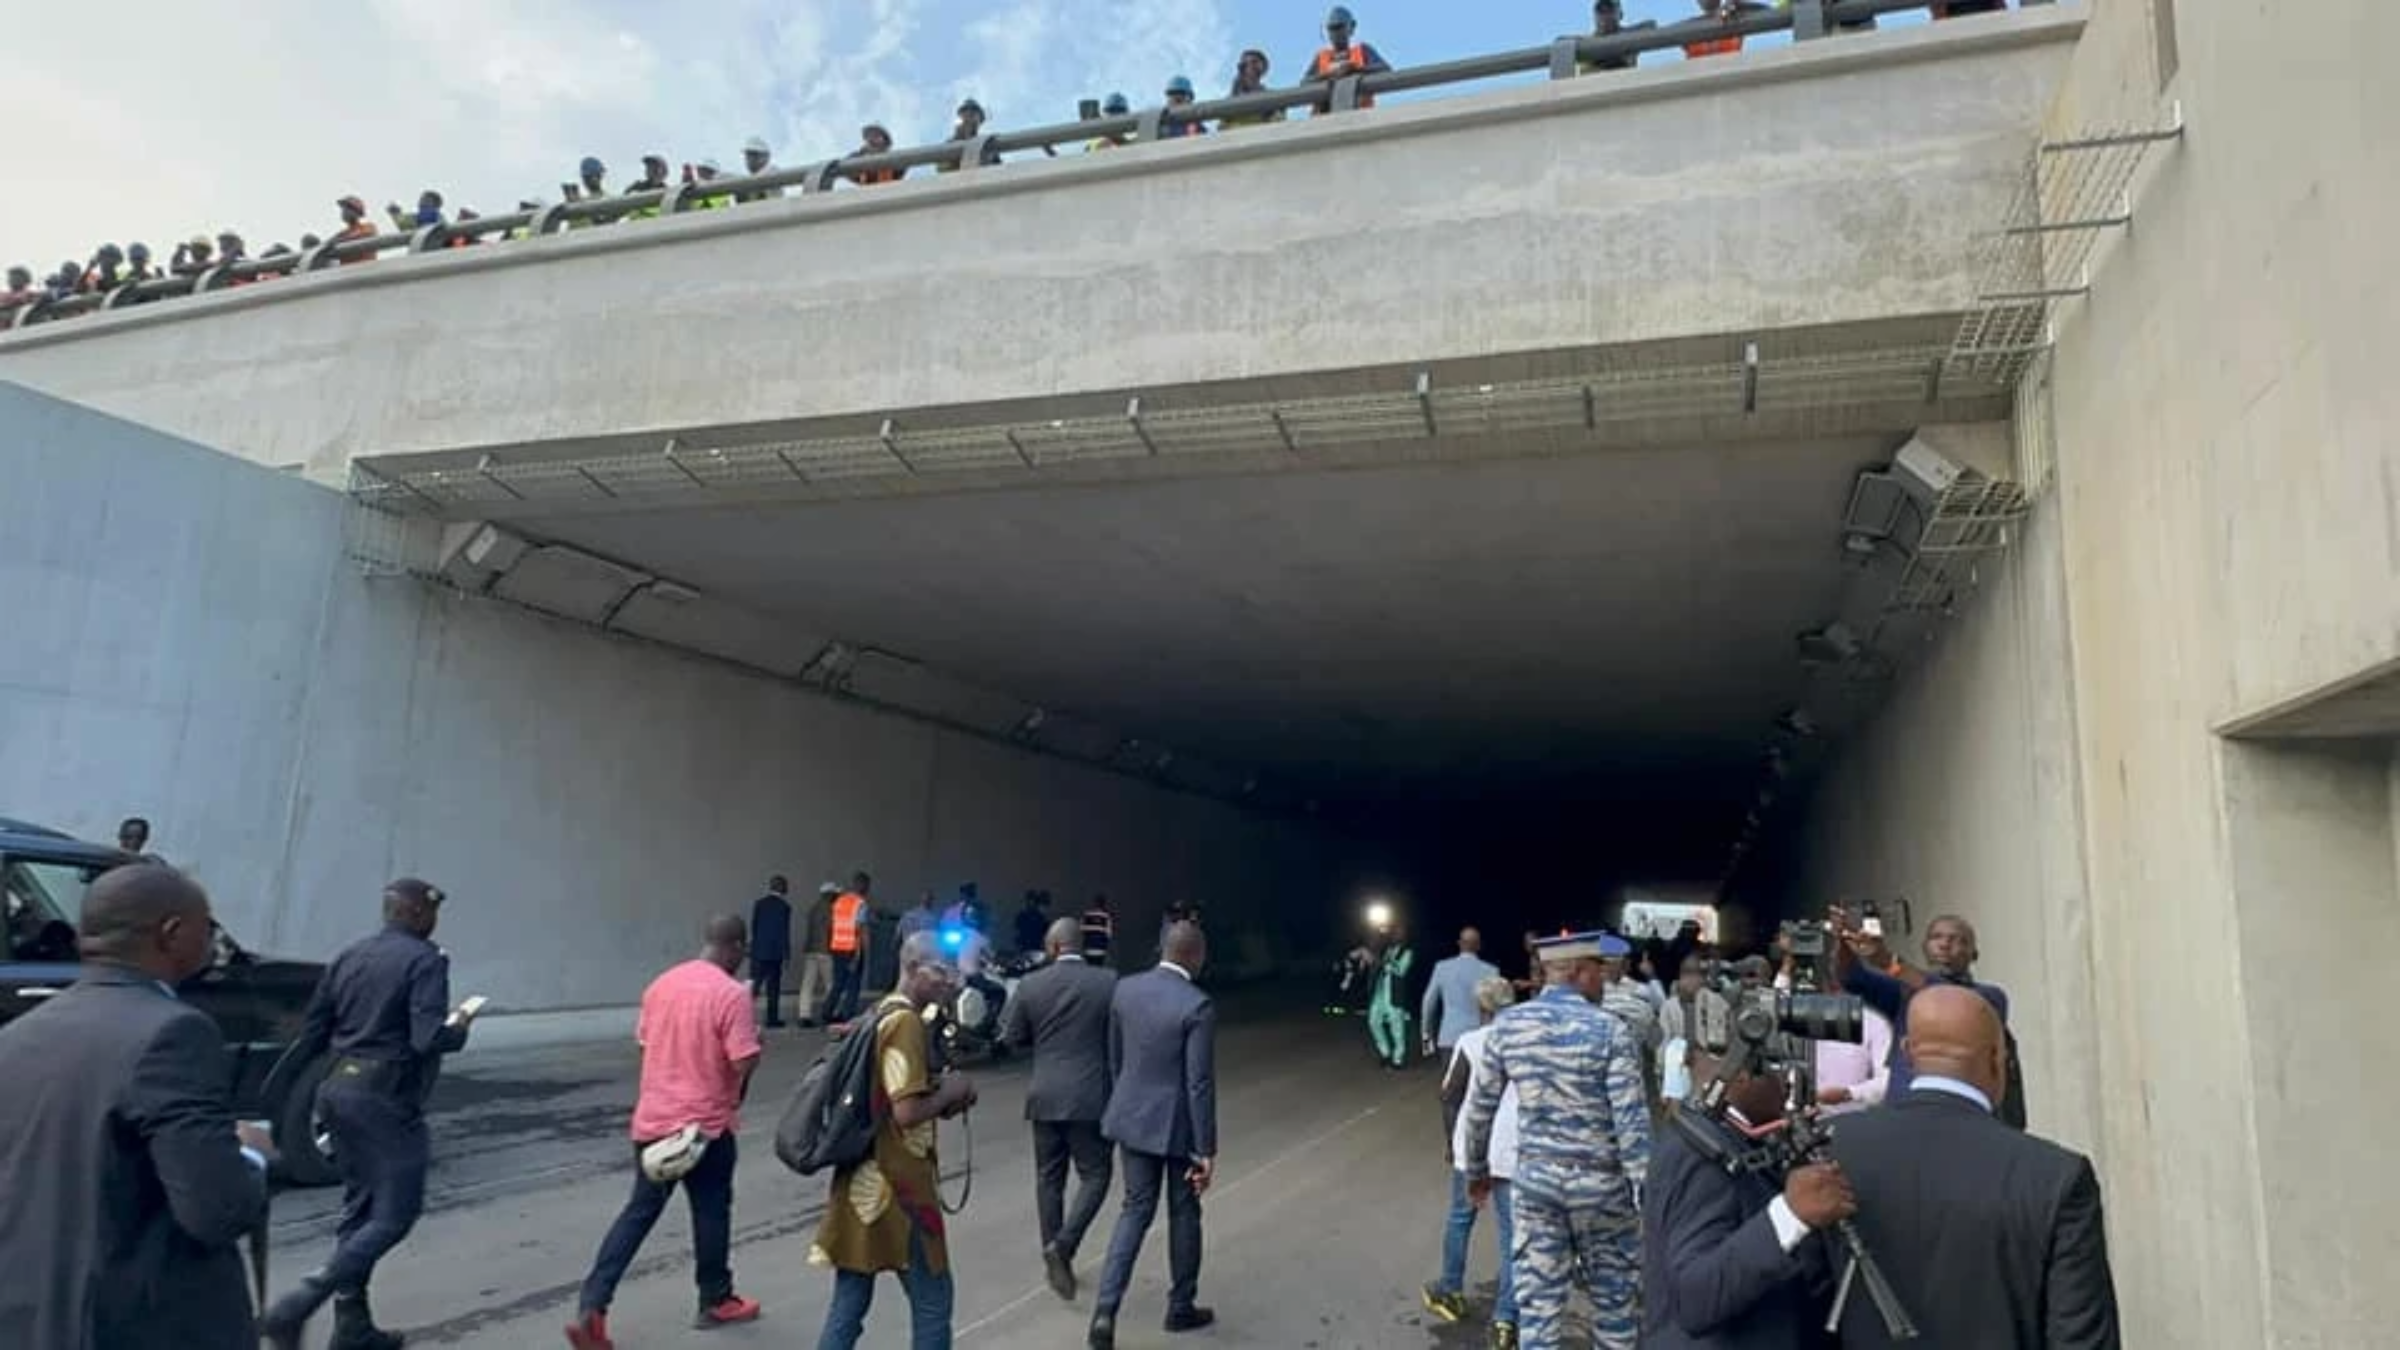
<point>757,145</point>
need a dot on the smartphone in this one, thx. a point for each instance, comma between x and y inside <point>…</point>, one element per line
<point>465,1012</point>
<point>571,191</point>
<point>1088,110</point>
<point>1871,922</point>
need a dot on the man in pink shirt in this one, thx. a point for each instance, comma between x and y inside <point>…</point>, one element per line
<point>699,1045</point>
<point>1852,1076</point>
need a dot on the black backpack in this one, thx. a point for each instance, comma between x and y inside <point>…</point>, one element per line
<point>830,1121</point>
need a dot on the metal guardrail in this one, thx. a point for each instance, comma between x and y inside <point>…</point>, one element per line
<point>1805,20</point>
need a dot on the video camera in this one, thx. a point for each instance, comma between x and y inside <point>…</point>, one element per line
<point>1767,1031</point>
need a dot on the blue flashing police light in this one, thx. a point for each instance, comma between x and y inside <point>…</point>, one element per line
<point>954,938</point>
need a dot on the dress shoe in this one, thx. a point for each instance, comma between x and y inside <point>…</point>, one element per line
<point>1060,1272</point>
<point>287,1318</point>
<point>1190,1319</point>
<point>1104,1332</point>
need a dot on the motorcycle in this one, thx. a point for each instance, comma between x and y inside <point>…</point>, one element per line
<point>969,1024</point>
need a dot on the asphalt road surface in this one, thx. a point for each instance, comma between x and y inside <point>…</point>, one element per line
<point>1325,1219</point>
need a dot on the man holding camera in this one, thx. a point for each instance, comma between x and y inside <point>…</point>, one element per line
<point>1865,965</point>
<point>1728,1262</point>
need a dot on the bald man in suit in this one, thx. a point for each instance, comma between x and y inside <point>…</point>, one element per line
<point>128,1186</point>
<point>1992,1238</point>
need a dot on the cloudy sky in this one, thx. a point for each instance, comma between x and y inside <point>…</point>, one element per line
<point>255,114</point>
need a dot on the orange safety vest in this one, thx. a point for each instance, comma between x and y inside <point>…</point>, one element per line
<point>1327,58</point>
<point>847,908</point>
<point>1724,46</point>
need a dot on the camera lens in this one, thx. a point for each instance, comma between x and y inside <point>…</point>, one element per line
<point>1823,1017</point>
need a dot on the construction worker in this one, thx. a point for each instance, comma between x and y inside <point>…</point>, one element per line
<point>968,127</point>
<point>428,212</point>
<point>1608,20</point>
<point>192,257</point>
<point>706,171</point>
<point>1342,58</point>
<point>847,939</point>
<point>1723,12</point>
<point>757,158</point>
<point>653,179</point>
<point>1116,105</point>
<point>20,289</point>
<point>1179,96</point>
<point>1583,1145</point>
<point>354,221</point>
<point>1250,77</point>
<point>873,140</point>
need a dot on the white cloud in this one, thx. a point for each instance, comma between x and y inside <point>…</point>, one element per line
<point>191,125</point>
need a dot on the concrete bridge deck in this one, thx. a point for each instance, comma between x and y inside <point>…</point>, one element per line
<point>1830,187</point>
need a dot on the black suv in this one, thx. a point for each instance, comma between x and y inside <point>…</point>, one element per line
<point>257,1001</point>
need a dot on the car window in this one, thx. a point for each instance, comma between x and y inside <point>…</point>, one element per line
<point>42,899</point>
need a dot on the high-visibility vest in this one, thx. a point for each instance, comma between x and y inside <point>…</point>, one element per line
<point>1724,46</point>
<point>848,908</point>
<point>1359,53</point>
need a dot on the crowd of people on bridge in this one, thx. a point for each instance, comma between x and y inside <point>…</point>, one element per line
<point>112,268</point>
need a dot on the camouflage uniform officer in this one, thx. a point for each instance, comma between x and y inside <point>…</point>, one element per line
<point>1583,1146</point>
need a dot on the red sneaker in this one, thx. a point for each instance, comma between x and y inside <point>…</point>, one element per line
<point>589,1331</point>
<point>734,1308</point>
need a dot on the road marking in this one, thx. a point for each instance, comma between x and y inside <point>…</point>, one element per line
<point>1229,1188</point>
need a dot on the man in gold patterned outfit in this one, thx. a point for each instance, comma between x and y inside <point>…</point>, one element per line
<point>884,1213</point>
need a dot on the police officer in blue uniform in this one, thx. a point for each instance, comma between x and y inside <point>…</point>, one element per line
<point>1583,1147</point>
<point>383,1007</point>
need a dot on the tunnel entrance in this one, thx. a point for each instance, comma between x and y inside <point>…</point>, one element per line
<point>1529,687</point>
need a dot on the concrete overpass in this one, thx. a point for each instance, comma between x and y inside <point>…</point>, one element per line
<point>1521,646</point>
<point>1581,231</point>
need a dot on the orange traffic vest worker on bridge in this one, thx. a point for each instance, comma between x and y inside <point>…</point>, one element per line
<point>1344,58</point>
<point>847,938</point>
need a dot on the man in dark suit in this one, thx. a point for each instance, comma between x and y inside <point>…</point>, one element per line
<point>1162,1111</point>
<point>1992,1238</point>
<point>1061,1011</point>
<point>771,945</point>
<point>129,1189</point>
<point>1729,1262</point>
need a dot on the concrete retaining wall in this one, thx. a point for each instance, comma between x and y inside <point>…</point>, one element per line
<point>185,640</point>
<point>1961,796</point>
<point>2229,486</point>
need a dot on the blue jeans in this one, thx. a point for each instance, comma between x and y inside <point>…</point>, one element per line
<point>1461,1228</point>
<point>849,971</point>
<point>708,1189</point>
<point>929,1300</point>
